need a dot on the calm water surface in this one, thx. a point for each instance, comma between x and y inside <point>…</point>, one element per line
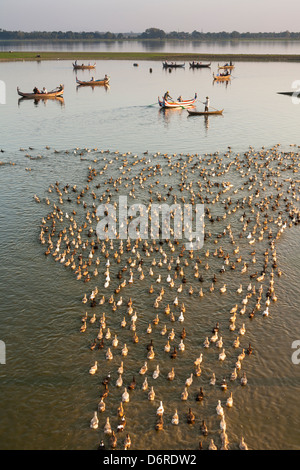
<point>48,397</point>
<point>212,47</point>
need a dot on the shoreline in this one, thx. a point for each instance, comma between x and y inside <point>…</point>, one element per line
<point>11,56</point>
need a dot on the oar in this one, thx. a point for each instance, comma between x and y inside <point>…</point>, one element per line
<point>211,107</point>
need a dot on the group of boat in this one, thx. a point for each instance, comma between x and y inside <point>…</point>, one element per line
<point>58,92</point>
<point>185,104</point>
<point>163,103</point>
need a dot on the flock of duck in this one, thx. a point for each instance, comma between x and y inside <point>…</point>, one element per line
<point>167,327</point>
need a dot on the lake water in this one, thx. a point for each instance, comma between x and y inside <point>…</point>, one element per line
<point>48,397</point>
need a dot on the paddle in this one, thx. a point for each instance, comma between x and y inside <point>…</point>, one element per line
<point>211,106</point>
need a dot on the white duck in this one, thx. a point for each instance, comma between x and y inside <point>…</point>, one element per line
<point>94,421</point>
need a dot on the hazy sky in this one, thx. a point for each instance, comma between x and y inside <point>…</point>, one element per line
<point>138,15</point>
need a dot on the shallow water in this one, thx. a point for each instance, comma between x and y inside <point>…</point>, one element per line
<point>46,378</point>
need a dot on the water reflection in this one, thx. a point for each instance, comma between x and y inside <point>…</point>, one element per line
<point>58,99</point>
<point>196,46</point>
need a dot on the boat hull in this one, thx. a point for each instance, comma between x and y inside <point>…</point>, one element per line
<point>205,113</point>
<point>198,65</point>
<point>225,67</point>
<point>177,104</point>
<point>41,96</point>
<point>84,67</point>
<point>171,65</point>
<point>102,82</point>
<point>220,78</point>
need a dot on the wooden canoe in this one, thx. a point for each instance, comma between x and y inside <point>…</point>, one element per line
<point>84,67</point>
<point>103,81</point>
<point>199,65</point>
<point>222,78</point>
<point>59,91</point>
<point>170,65</point>
<point>225,67</point>
<point>176,104</point>
<point>205,113</point>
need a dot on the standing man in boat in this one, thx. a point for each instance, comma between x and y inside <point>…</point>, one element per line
<point>206,104</point>
<point>167,96</point>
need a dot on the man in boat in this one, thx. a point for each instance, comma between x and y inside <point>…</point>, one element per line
<point>167,96</point>
<point>36,91</point>
<point>44,91</point>
<point>92,79</point>
<point>179,98</point>
<point>206,104</point>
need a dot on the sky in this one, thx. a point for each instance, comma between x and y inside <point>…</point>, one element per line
<point>120,16</point>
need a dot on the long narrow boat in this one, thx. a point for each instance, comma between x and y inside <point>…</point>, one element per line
<point>59,91</point>
<point>226,67</point>
<point>204,113</point>
<point>103,81</point>
<point>199,65</point>
<point>176,104</point>
<point>170,65</point>
<point>84,67</point>
<point>222,78</point>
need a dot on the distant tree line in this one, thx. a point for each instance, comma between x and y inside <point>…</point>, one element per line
<point>150,33</point>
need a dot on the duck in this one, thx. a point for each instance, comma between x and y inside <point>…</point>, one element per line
<point>219,409</point>
<point>242,330</point>
<point>143,369</point>
<point>122,424</point>
<point>189,381</point>
<point>101,405</point>
<point>223,423</point>
<point>213,379</point>
<point>206,343</point>
<point>181,346</point>
<point>94,423</point>
<point>124,351</point>
<point>151,353</point>
<point>222,355</point>
<point>113,440</point>
<point>156,372</point>
<point>219,343</point>
<point>145,384</point>
<point>200,395</point>
<point>203,428</point>
<point>243,445</point>
<point>175,419</point>
<point>233,375</point>
<point>160,410</point>
<point>190,417</point>
<point>94,368</point>
<point>132,384</point>
<point>119,381</point>
<point>173,354</point>
<point>107,427</point>
<point>184,394</point>
<point>244,380</point>
<point>224,385</point>
<point>229,401</point>
<point>212,445</point>
<point>109,355</point>
<point>171,374</point>
<point>159,424</point>
<point>125,396</point>
<point>121,368</point>
<point>127,442</point>
<point>151,394</point>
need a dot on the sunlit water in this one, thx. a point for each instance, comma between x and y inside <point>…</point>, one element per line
<point>48,397</point>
